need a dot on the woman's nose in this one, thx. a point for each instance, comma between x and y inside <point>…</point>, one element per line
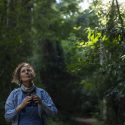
<point>27,72</point>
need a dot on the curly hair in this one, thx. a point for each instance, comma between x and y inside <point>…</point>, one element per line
<point>16,73</point>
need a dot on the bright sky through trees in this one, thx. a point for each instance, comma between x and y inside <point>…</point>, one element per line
<point>58,1</point>
<point>120,1</point>
<point>85,4</point>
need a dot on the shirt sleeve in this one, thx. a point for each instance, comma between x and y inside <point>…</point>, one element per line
<point>47,104</point>
<point>10,109</point>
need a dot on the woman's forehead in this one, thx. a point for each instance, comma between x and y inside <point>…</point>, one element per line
<point>26,66</point>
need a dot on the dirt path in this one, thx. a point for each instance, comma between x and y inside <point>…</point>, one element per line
<point>85,121</point>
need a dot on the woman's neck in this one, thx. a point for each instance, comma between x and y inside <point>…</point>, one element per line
<point>27,88</point>
<point>27,84</point>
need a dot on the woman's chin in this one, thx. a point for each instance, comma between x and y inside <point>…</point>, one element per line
<point>27,81</point>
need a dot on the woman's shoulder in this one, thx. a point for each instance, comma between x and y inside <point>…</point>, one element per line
<point>14,91</point>
<point>40,89</point>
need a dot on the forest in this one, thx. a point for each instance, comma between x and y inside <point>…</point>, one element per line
<point>78,55</point>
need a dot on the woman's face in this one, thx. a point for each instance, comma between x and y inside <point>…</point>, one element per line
<point>26,75</point>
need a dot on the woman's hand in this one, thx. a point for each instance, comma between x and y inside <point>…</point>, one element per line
<point>24,103</point>
<point>36,99</point>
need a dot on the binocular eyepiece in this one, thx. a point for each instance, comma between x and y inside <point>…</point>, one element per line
<point>32,103</point>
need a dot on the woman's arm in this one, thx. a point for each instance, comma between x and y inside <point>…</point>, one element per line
<point>11,107</point>
<point>10,110</point>
<point>47,104</point>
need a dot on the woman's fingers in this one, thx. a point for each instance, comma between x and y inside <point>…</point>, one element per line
<point>36,99</point>
<point>26,100</point>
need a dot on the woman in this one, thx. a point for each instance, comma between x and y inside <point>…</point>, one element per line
<point>28,104</point>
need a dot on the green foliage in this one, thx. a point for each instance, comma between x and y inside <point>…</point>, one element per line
<point>103,49</point>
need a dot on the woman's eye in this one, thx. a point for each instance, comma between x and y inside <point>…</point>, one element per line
<point>23,71</point>
<point>29,70</point>
<point>26,70</point>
